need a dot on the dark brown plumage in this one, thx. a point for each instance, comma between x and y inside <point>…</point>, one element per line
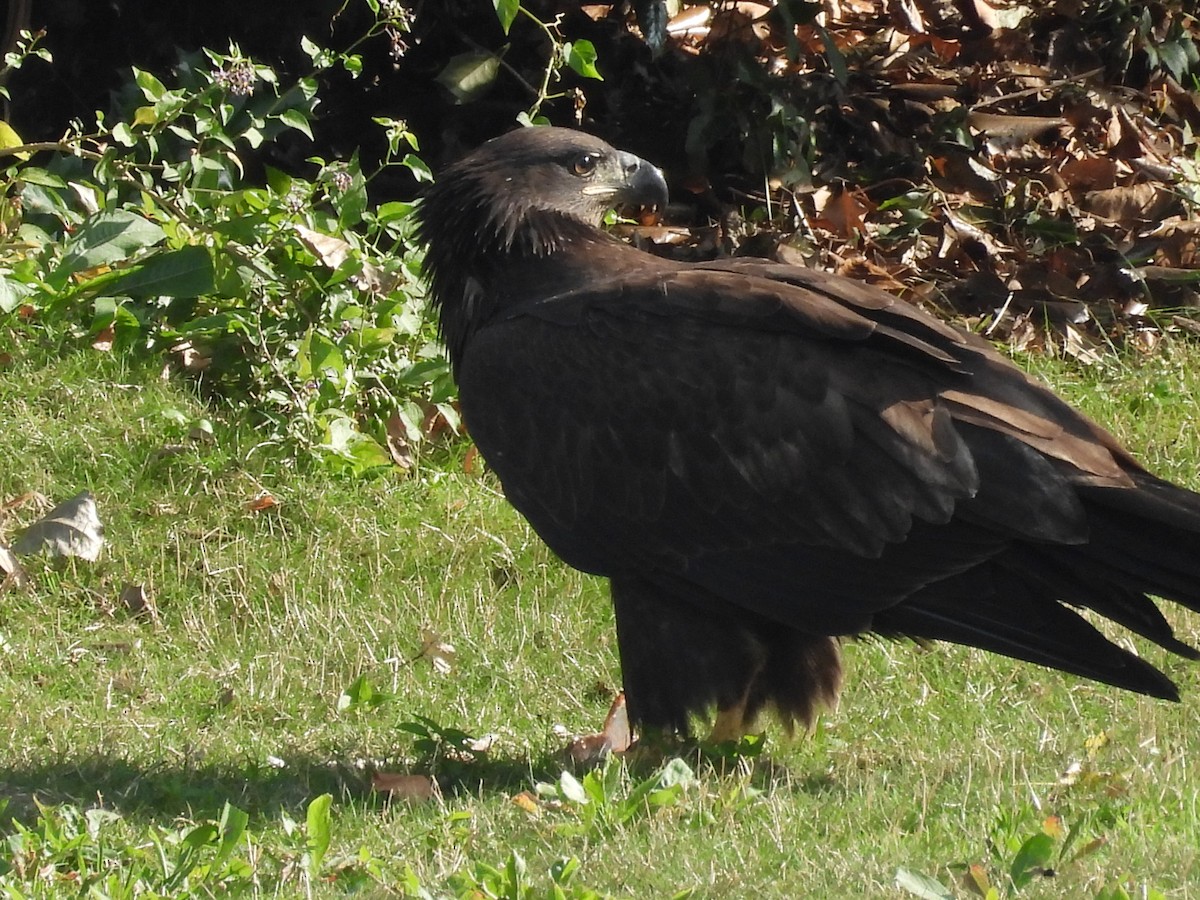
<point>764,459</point>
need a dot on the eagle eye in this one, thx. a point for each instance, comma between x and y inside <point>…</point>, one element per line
<point>585,164</point>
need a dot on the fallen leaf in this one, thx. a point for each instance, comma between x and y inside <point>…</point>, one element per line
<point>841,210</point>
<point>978,879</point>
<point>1014,130</point>
<point>616,737</point>
<point>103,341</point>
<point>527,802</point>
<point>412,788</point>
<point>397,442</point>
<point>588,751</point>
<point>1089,173</point>
<point>1076,344</point>
<point>1053,826</point>
<point>262,501</point>
<point>11,569</point>
<point>70,529</point>
<point>133,597</point>
<point>616,725</point>
<point>471,460</point>
<point>330,250</point>
<point>438,652</point>
<point>1131,204</point>
<point>190,358</point>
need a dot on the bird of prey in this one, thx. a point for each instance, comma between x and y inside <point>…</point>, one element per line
<point>765,459</point>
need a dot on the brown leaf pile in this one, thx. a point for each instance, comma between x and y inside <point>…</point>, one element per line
<point>1030,168</point>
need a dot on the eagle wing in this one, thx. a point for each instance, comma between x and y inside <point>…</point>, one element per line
<point>774,436</point>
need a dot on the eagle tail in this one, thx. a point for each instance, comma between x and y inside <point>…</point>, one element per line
<point>1142,542</point>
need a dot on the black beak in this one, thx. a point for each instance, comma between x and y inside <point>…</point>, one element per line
<point>643,185</point>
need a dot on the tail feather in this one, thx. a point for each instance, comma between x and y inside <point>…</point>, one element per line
<point>1089,583</point>
<point>1148,538</point>
<point>1141,542</point>
<point>997,610</point>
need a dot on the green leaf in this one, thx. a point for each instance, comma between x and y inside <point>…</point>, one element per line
<point>1034,857</point>
<point>581,57</point>
<point>468,76</point>
<point>294,118</point>
<point>123,134</point>
<point>8,136</point>
<point>187,272</point>
<point>152,88</point>
<point>348,448</point>
<point>12,293</point>
<point>417,166</point>
<point>359,693</point>
<point>109,236</point>
<point>317,826</point>
<point>318,355</point>
<point>393,210</point>
<point>34,175</point>
<point>506,12</point>
<point>923,886</point>
<point>372,340</point>
<point>231,827</point>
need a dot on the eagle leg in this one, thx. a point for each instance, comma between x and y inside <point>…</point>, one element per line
<point>685,651</point>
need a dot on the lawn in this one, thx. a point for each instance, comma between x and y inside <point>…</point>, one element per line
<point>178,749</point>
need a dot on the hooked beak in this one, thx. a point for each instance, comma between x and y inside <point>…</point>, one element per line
<point>643,184</point>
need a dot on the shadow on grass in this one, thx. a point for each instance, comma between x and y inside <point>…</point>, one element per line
<point>166,791</point>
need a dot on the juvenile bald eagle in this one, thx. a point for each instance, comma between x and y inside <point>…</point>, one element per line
<point>763,459</point>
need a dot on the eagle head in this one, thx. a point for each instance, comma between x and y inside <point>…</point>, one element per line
<point>527,194</point>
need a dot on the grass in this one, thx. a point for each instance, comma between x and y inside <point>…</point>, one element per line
<point>227,702</point>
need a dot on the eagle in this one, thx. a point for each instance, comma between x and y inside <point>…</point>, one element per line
<point>765,460</point>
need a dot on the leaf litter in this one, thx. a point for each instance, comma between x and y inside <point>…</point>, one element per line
<point>72,528</point>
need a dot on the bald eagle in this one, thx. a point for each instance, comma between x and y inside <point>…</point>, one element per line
<point>765,459</point>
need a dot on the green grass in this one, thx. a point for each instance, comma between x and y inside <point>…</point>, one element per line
<point>933,762</point>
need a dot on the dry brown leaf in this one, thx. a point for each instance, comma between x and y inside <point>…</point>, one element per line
<point>38,500</point>
<point>402,786</point>
<point>616,737</point>
<point>1123,135</point>
<point>397,442</point>
<point>11,570</point>
<point>1076,344</point>
<point>439,653</point>
<point>435,422</point>
<point>334,251</point>
<point>190,358</point>
<point>103,341</point>
<point>1016,129</point>
<point>133,597</point>
<point>588,751</point>
<point>1132,204</point>
<point>88,274</point>
<point>1089,173</point>
<point>527,802</point>
<point>72,528</point>
<point>262,501</point>
<point>330,250</point>
<point>471,460</point>
<point>840,210</point>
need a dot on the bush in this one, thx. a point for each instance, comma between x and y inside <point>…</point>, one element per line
<point>294,298</point>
